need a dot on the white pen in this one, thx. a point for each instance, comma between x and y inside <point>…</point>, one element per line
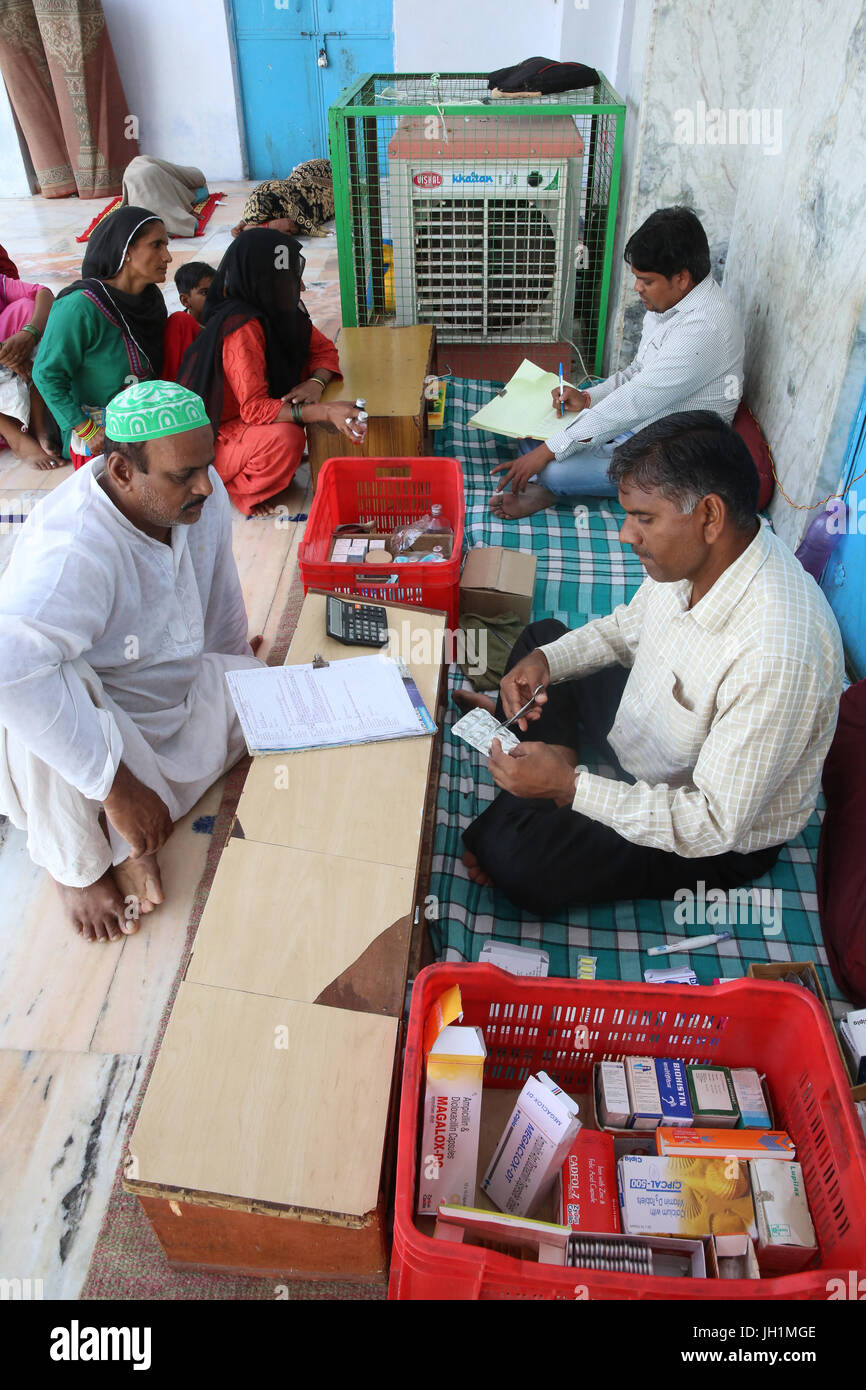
<point>689,943</point>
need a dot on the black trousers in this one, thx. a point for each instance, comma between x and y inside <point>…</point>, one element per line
<point>546,857</point>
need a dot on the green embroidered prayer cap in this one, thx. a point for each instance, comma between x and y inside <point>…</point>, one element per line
<point>151,410</point>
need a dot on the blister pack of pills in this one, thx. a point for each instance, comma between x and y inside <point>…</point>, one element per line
<point>478,728</point>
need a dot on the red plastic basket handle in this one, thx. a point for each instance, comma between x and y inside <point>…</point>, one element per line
<point>386,581</point>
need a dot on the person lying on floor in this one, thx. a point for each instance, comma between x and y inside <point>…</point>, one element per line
<point>26,427</point>
<point>261,366</point>
<point>120,613</point>
<point>690,357</point>
<point>713,693</point>
<point>297,205</point>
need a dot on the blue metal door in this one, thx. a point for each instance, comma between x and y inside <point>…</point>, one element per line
<point>285,92</point>
<point>844,580</point>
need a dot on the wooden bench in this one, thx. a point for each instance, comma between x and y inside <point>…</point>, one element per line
<point>264,1144</point>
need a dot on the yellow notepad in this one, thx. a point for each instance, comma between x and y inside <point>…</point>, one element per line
<point>523,407</point>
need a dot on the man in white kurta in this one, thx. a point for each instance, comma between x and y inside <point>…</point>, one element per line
<point>120,613</point>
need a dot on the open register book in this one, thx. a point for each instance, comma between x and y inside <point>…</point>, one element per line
<point>523,407</point>
<point>361,699</point>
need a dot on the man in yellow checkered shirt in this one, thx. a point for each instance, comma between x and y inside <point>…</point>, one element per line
<point>713,694</point>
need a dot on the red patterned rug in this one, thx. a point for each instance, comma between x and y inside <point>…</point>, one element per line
<point>204,211</point>
<point>127,1261</point>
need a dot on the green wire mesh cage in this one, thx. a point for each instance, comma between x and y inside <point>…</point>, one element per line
<point>490,218</point>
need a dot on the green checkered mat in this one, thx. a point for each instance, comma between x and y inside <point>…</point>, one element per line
<point>583,572</point>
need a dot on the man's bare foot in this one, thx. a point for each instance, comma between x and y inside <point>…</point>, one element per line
<point>139,880</point>
<point>473,699</point>
<point>534,498</point>
<point>256,642</point>
<point>474,869</point>
<point>97,912</point>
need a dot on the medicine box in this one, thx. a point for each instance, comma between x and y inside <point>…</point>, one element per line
<point>692,1197</point>
<point>786,1236</point>
<point>673,1092</point>
<point>587,1184</point>
<point>712,1098</point>
<point>448,1158</point>
<point>534,1144</point>
<point>643,1093</point>
<point>611,1095</point>
<point>726,1143</point>
<point>754,1111</point>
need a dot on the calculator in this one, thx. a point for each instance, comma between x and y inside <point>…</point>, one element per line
<point>357,624</point>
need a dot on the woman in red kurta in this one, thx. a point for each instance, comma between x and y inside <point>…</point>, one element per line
<point>261,367</point>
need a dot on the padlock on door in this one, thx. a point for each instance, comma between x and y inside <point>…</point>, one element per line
<point>322,59</point>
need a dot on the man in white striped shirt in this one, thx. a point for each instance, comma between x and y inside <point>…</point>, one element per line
<point>690,358</point>
<point>714,694</point>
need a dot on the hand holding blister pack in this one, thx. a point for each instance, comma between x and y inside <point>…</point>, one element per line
<point>478,728</point>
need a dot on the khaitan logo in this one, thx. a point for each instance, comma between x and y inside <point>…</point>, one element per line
<point>473,178</point>
<point>428,178</point>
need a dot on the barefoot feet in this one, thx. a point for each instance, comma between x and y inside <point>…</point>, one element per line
<point>474,869</point>
<point>510,507</point>
<point>97,912</point>
<point>473,699</point>
<point>28,449</point>
<point>140,883</point>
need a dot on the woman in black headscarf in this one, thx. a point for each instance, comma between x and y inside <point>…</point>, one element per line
<point>105,331</point>
<point>261,367</point>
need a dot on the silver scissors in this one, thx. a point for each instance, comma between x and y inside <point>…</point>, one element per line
<point>507,725</point>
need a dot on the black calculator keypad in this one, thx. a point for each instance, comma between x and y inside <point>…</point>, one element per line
<point>357,624</point>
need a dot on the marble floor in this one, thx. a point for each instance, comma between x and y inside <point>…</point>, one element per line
<point>77,1021</point>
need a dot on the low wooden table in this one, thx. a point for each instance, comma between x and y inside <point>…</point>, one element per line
<point>386,367</point>
<point>263,1144</point>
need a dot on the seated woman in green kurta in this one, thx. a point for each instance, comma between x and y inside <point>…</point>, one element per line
<point>105,332</point>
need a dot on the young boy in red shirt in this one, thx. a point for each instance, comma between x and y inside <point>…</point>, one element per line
<point>193,282</point>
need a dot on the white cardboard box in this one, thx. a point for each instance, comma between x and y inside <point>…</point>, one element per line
<point>533,1147</point>
<point>448,1158</point>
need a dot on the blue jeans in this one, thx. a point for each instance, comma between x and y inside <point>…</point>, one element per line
<point>582,474</point>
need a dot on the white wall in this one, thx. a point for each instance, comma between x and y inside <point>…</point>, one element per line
<point>14,179</point>
<point>591,35</point>
<point>473,35</point>
<point>175,65</point>
<point>797,257</point>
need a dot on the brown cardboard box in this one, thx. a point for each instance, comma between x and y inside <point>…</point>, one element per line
<point>496,580</point>
<point>777,969</point>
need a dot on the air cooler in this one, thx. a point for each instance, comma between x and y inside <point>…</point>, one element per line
<point>485,218</point>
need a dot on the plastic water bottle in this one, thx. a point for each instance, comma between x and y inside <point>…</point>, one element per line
<point>822,537</point>
<point>403,539</point>
<point>359,424</point>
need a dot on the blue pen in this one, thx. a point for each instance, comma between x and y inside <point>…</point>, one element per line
<point>561,405</point>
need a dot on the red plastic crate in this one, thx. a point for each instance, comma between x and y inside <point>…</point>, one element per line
<point>780,1029</point>
<point>389,492</point>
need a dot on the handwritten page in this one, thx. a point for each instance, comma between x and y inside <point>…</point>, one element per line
<point>524,407</point>
<point>283,709</point>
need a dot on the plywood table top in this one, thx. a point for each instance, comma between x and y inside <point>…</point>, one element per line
<point>267,1099</point>
<point>384,366</point>
<point>314,920</point>
<point>306,930</point>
